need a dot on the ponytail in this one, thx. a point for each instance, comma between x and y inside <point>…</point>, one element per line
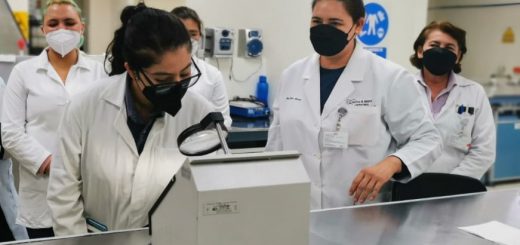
<point>145,35</point>
<point>114,52</point>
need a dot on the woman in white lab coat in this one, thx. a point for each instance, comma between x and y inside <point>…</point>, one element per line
<point>211,83</point>
<point>117,143</point>
<point>355,117</point>
<point>459,107</point>
<point>36,95</point>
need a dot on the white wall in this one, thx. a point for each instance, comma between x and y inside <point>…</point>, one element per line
<point>102,19</point>
<point>286,32</point>
<point>165,4</point>
<point>406,20</point>
<point>285,25</point>
<point>485,27</point>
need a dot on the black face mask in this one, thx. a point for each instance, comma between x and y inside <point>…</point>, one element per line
<point>439,61</point>
<point>327,40</point>
<point>167,96</point>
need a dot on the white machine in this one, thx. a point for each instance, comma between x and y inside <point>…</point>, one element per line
<point>219,42</point>
<point>250,43</point>
<point>254,199</point>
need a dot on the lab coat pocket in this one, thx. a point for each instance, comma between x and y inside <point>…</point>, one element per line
<point>363,125</point>
<point>461,142</point>
<point>461,138</point>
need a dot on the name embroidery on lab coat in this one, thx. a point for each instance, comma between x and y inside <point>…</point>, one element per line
<point>293,98</point>
<point>360,102</point>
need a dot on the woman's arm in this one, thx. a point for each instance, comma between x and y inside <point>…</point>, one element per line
<point>24,148</point>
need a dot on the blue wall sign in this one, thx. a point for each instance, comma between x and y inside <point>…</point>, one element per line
<point>381,51</point>
<point>376,24</point>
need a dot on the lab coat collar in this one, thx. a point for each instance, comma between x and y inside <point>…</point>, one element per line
<point>454,80</point>
<point>115,91</point>
<point>311,85</point>
<point>82,61</point>
<point>353,73</point>
<point>44,63</point>
<point>115,95</point>
<point>355,66</point>
<point>459,80</point>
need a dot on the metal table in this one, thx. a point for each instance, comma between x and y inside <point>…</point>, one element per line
<point>425,221</point>
<point>123,237</point>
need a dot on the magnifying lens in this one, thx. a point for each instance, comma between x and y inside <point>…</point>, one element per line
<point>205,137</point>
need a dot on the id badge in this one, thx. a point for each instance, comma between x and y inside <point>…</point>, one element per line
<point>336,140</point>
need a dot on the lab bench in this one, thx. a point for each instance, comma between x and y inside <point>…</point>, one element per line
<point>424,221</point>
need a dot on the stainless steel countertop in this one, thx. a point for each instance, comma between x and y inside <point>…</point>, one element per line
<point>127,237</point>
<point>425,221</point>
<point>253,129</point>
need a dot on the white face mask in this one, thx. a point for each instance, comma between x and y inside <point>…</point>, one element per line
<point>63,41</point>
<point>196,49</point>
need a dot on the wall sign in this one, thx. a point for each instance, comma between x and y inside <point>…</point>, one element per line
<point>376,24</point>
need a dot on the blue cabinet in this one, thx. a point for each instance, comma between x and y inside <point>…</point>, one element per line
<point>507,164</point>
<point>507,117</point>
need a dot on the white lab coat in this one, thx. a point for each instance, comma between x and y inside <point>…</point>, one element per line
<point>469,140</point>
<point>99,173</point>
<point>384,117</point>
<point>34,100</point>
<point>212,87</point>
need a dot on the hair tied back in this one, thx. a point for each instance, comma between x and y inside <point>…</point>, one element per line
<point>131,11</point>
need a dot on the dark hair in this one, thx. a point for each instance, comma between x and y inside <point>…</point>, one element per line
<point>145,35</point>
<point>185,13</point>
<point>355,8</point>
<point>455,32</point>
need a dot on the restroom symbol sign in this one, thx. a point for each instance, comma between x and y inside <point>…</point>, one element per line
<point>376,24</point>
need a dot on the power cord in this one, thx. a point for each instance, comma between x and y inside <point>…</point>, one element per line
<point>234,78</point>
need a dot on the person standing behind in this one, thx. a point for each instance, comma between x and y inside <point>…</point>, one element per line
<point>357,119</point>
<point>8,195</point>
<point>211,83</point>
<point>36,95</point>
<point>459,107</point>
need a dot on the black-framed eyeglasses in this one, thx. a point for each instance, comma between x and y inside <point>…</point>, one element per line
<point>185,83</point>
